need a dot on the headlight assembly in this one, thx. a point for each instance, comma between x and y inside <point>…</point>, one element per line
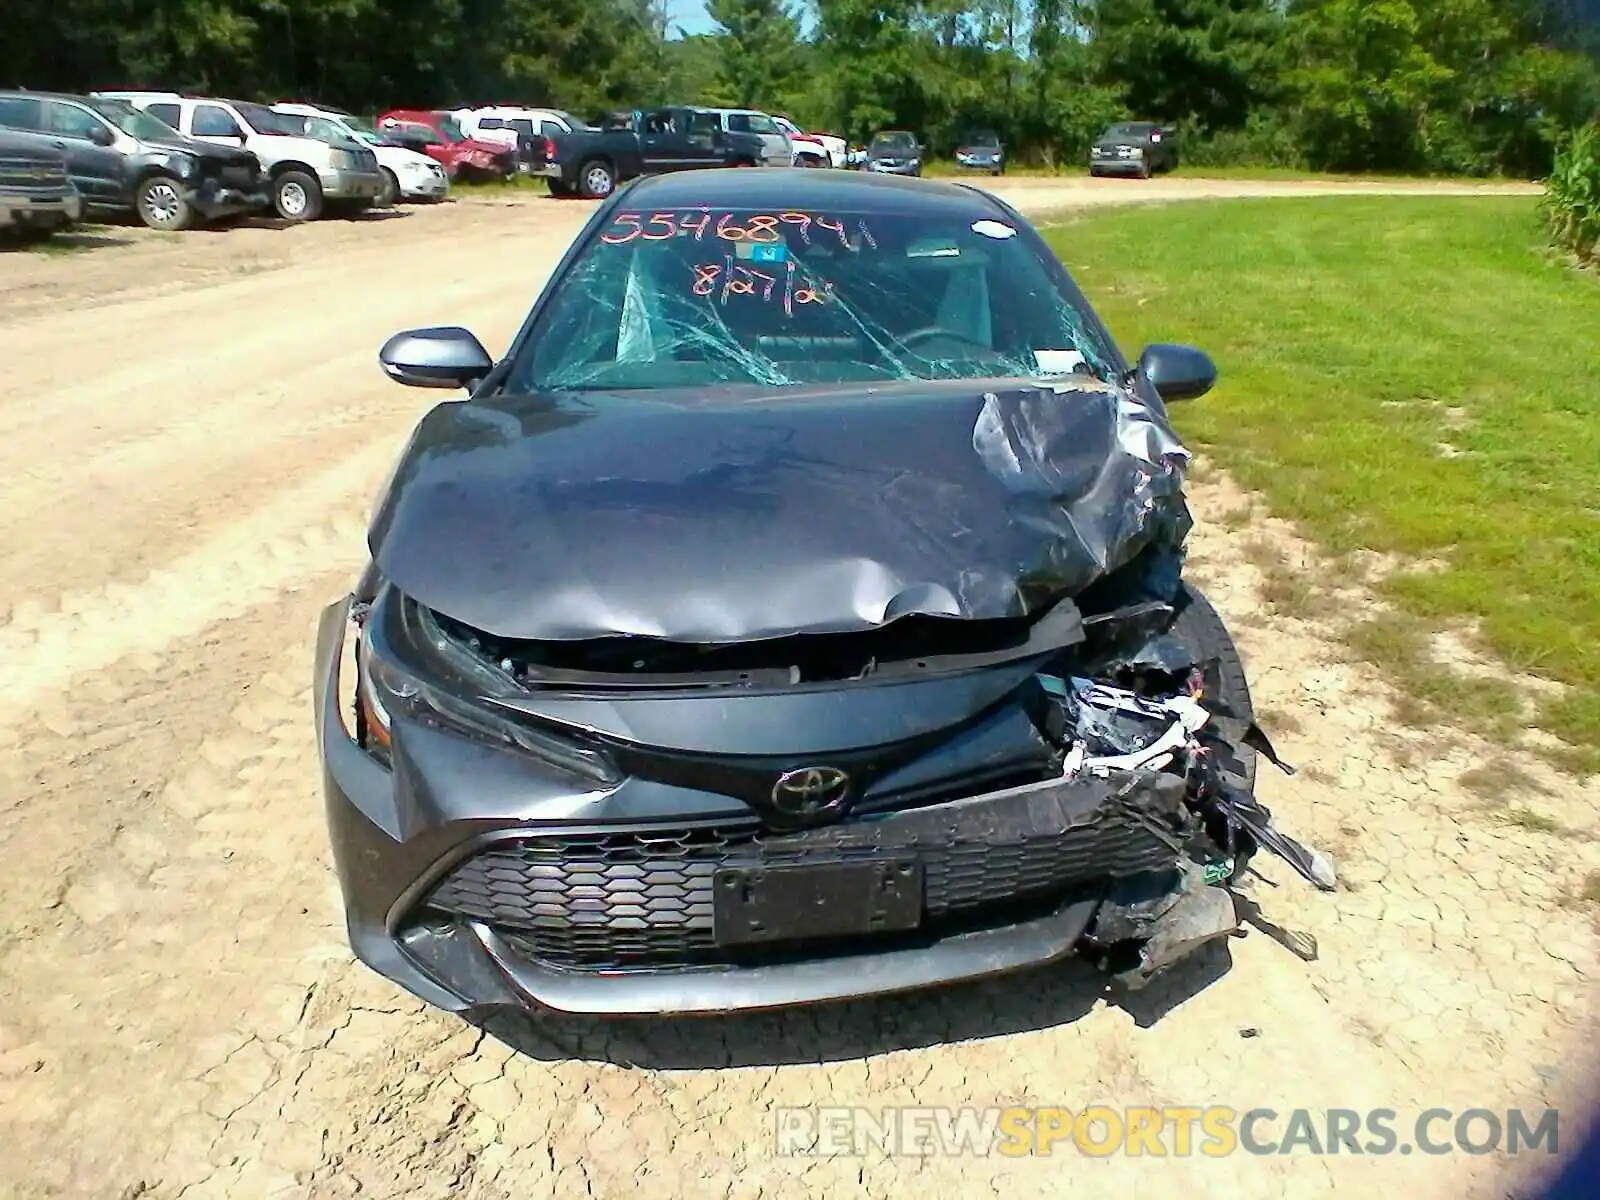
<point>406,666</point>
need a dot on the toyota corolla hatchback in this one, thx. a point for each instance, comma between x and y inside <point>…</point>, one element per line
<point>795,611</point>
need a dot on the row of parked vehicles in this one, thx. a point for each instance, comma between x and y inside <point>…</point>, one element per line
<point>176,161</point>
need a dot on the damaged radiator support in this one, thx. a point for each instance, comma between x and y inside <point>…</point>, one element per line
<point>1114,730</point>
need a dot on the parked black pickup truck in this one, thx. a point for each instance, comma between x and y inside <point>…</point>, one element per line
<point>594,159</point>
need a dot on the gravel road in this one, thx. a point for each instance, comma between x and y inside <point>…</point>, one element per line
<point>192,430</point>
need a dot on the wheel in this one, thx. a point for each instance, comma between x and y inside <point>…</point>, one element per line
<point>1198,624</point>
<point>297,196</point>
<point>160,204</point>
<point>559,189</point>
<point>596,179</point>
<point>390,196</point>
<point>1144,170</point>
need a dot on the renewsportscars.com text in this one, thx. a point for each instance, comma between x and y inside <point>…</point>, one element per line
<point>1214,1131</point>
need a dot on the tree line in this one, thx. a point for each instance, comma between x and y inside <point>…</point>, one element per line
<point>1450,86</point>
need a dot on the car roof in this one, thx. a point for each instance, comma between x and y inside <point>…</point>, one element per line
<point>789,188</point>
<point>26,94</point>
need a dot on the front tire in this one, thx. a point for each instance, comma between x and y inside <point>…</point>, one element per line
<point>560,190</point>
<point>390,196</point>
<point>160,204</point>
<point>297,197</point>
<point>596,179</point>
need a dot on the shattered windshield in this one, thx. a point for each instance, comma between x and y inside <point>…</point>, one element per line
<point>695,297</point>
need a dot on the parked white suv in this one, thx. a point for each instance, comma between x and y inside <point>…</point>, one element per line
<point>489,120</point>
<point>407,174</point>
<point>306,172</point>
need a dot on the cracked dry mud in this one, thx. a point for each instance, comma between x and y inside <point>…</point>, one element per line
<point>184,477</point>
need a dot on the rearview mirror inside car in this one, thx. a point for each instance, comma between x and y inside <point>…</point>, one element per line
<point>445,356</point>
<point>1177,372</point>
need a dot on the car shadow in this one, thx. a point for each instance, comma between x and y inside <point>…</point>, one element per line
<point>370,215</point>
<point>66,242</point>
<point>1020,1002</point>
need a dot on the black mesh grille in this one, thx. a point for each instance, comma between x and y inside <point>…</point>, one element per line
<point>642,897</point>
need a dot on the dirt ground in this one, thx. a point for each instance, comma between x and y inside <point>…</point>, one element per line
<point>192,431</point>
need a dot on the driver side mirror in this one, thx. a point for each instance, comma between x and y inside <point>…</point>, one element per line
<point>1177,372</point>
<point>445,356</point>
<point>100,135</point>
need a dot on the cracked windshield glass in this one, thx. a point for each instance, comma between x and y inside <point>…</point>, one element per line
<point>687,298</point>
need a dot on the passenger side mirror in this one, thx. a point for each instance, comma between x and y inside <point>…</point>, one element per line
<point>444,356</point>
<point>100,135</point>
<point>1177,372</point>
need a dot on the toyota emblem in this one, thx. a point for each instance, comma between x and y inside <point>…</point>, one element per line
<point>811,793</point>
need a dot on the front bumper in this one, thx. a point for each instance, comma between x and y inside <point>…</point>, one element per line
<point>476,878</point>
<point>883,168</point>
<point>41,210</point>
<point>425,185</point>
<point>1117,166</point>
<point>341,184</point>
<point>974,163</point>
<point>212,200</point>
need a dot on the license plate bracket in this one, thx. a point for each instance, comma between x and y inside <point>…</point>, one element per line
<point>756,905</point>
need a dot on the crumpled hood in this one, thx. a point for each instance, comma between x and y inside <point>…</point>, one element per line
<point>228,156</point>
<point>767,512</point>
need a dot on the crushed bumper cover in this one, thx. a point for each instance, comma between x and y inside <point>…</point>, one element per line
<point>476,882</point>
<point>212,201</point>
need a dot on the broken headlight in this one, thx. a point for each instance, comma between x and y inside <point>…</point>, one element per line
<point>406,666</point>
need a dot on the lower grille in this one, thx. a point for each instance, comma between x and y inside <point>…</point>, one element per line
<point>643,897</point>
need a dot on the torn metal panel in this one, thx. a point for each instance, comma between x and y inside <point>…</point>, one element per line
<point>769,512</point>
<point>1114,731</point>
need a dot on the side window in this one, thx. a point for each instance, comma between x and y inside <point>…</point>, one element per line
<point>491,123</point>
<point>703,128</point>
<point>165,112</point>
<point>550,129</point>
<point>211,121</point>
<point>522,125</point>
<point>69,120</point>
<point>739,123</point>
<point>19,112</point>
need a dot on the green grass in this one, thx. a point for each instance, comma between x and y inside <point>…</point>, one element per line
<point>1411,375</point>
<point>517,185</point>
<point>946,168</point>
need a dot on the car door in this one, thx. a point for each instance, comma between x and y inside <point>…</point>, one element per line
<point>96,167</point>
<point>703,142</point>
<point>213,123</point>
<point>660,143</point>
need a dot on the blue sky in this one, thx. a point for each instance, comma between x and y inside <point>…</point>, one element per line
<point>691,15</point>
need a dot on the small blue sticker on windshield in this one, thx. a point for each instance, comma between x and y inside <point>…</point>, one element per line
<point>774,253</point>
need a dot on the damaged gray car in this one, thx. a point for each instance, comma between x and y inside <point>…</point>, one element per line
<point>795,612</point>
